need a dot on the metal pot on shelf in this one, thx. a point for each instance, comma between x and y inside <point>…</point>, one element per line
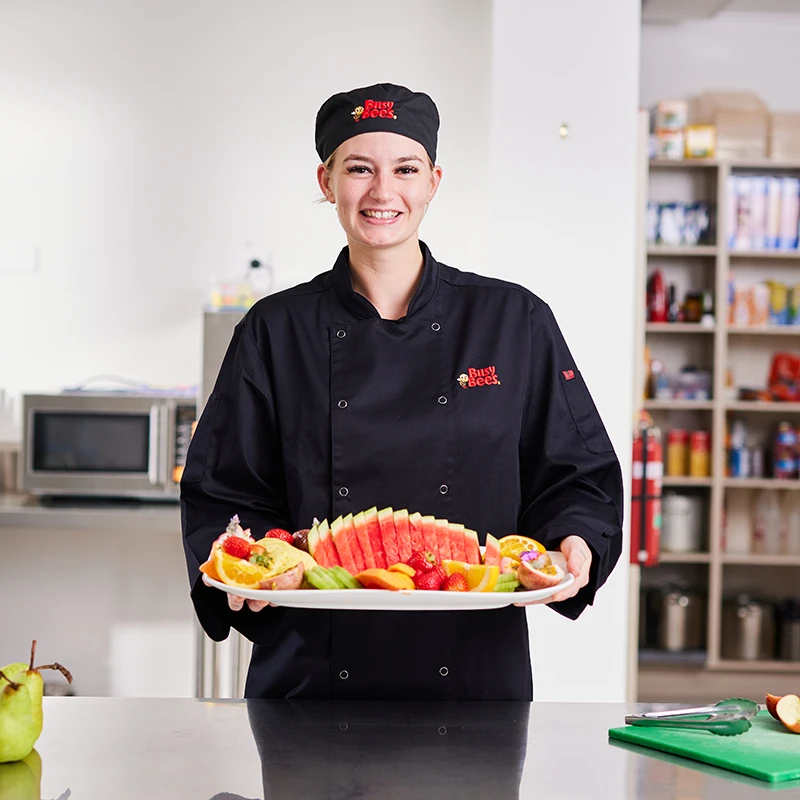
<point>681,619</point>
<point>748,628</point>
<point>789,630</point>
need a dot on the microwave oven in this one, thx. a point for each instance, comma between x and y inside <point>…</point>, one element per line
<point>111,445</point>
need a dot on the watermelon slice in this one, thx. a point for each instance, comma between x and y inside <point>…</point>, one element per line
<point>389,536</point>
<point>473,549</point>
<point>328,546</point>
<point>491,555</point>
<point>429,534</point>
<point>458,544</point>
<point>313,541</point>
<point>443,538</point>
<point>362,534</point>
<point>415,532</point>
<point>344,537</point>
<point>402,535</point>
<point>375,537</point>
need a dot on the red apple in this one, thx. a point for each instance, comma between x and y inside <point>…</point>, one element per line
<point>788,711</point>
<point>772,701</point>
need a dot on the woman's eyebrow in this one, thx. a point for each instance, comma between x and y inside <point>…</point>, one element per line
<point>400,160</point>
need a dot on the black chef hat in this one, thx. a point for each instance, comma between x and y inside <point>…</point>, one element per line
<point>382,107</point>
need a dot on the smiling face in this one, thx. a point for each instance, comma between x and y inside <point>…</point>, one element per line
<point>380,183</point>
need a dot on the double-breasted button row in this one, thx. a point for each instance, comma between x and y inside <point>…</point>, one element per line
<point>344,491</point>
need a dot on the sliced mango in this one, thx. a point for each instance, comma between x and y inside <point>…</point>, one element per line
<point>376,578</point>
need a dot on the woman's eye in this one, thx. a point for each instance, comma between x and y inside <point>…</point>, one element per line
<point>359,170</point>
<point>407,170</point>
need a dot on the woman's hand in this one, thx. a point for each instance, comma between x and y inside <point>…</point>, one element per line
<point>575,557</point>
<point>236,603</point>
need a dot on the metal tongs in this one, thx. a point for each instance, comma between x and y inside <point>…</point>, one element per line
<point>726,718</point>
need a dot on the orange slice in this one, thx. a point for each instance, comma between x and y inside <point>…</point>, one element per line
<point>514,546</point>
<point>236,571</point>
<point>210,569</point>
<point>482,577</point>
<point>452,567</point>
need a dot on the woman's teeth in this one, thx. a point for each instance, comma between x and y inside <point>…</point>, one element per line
<point>381,214</point>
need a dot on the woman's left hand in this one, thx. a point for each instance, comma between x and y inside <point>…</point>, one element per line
<point>575,557</point>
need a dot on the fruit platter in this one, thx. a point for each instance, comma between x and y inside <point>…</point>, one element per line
<point>383,560</point>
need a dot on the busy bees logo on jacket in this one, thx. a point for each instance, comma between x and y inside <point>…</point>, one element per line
<point>478,377</point>
<point>374,108</point>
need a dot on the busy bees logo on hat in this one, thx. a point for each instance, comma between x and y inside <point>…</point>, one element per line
<point>374,108</point>
<point>382,107</point>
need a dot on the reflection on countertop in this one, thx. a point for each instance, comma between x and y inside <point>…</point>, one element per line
<point>29,511</point>
<point>198,750</point>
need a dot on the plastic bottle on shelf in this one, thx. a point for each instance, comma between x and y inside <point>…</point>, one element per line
<point>791,540</point>
<point>767,523</point>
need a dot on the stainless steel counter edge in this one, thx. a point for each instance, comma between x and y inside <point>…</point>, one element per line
<point>24,511</point>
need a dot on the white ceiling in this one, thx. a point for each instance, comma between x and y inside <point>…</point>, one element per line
<point>677,10</point>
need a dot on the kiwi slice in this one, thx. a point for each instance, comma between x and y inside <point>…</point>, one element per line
<point>506,586</point>
<point>345,578</point>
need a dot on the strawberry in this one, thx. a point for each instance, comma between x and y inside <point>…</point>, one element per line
<point>430,580</point>
<point>280,533</point>
<point>236,546</point>
<point>455,583</point>
<point>422,561</point>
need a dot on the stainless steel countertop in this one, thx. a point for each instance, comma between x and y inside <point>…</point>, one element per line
<point>101,748</point>
<point>27,511</point>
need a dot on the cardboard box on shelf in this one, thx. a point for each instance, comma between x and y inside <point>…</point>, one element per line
<point>784,136</point>
<point>741,120</point>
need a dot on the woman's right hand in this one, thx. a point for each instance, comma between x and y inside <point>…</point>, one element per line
<point>236,603</point>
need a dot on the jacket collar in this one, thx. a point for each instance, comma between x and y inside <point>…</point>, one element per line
<point>359,305</point>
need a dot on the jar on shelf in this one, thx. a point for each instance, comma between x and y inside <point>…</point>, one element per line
<point>677,452</point>
<point>700,454</point>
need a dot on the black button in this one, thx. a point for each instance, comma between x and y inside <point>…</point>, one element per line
<point>444,672</point>
<point>344,674</point>
<point>436,326</point>
<point>344,491</point>
<point>341,334</point>
<point>442,400</point>
<point>443,488</point>
<point>343,404</point>
<point>442,730</point>
<point>343,726</point>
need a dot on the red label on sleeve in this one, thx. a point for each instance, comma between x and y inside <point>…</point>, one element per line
<point>568,374</point>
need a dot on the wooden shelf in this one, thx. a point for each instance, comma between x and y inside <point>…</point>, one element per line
<point>761,483</point>
<point>680,327</point>
<point>770,330</point>
<point>753,560</point>
<point>704,250</point>
<point>685,481</point>
<point>679,405</point>
<point>733,665</point>
<point>736,163</point>
<point>684,558</point>
<point>765,407</point>
<point>771,255</point>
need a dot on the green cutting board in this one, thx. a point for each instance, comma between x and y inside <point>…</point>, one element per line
<point>767,751</point>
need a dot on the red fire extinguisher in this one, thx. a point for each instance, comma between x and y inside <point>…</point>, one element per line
<point>648,471</point>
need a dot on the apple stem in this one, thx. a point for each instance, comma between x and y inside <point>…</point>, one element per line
<point>63,670</point>
<point>33,653</point>
<point>14,686</point>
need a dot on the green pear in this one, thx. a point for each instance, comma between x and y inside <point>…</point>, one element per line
<point>22,780</point>
<point>21,720</point>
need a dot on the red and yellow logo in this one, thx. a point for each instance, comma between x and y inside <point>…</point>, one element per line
<point>479,377</point>
<point>374,108</point>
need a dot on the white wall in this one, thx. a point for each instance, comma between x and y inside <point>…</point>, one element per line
<point>146,146</point>
<point>563,214</point>
<point>733,51</point>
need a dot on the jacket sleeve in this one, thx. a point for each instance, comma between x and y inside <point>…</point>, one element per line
<point>234,466</point>
<point>571,477</point>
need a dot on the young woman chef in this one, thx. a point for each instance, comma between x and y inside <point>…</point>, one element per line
<point>395,380</point>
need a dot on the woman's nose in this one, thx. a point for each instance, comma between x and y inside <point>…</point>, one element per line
<point>381,188</point>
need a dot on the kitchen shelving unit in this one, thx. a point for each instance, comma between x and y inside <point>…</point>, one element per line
<point>704,676</point>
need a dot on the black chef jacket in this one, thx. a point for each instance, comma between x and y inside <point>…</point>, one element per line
<point>470,408</point>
